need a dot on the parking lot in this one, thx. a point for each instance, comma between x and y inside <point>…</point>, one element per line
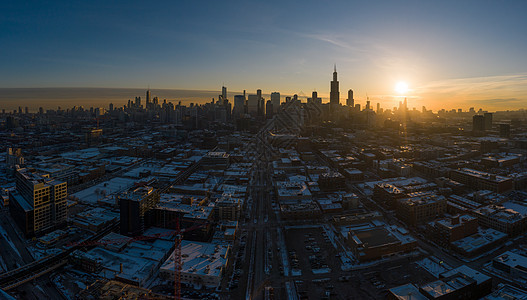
<point>312,254</point>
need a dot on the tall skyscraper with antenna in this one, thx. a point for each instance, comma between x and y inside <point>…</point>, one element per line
<point>334,95</point>
<point>148,96</point>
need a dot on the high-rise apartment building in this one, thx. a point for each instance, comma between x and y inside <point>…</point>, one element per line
<point>478,123</point>
<point>39,203</point>
<point>133,207</point>
<point>487,118</point>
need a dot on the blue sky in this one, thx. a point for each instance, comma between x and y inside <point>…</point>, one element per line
<point>442,49</point>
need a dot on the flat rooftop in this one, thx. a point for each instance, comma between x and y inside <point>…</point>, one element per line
<point>374,237</point>
<point>407,291</point>
<point>200,258</point>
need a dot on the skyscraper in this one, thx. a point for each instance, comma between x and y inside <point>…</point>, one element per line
<point>261,105</point>
<point>334,95</point>
<point>239,105</point>
<point>147,97</point>
<point>275,99</point>
<point>224,93</point>
<point>350,101</point>
<point>314,98</point>
<point>253,104</point>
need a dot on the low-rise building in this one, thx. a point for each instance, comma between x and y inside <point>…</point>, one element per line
<point>376,240</point>
<point>447,230</point>
<point>513,264</point>
<point>483,282</point>
<point>418,210</point>
<point>215,160</point>
<point>504,219</point>
<point>201,263</point>
<point>457,286</point>
<point>405,292</point>
<point>506,292</point>
<point>482,241</point>
<point>482,180</point>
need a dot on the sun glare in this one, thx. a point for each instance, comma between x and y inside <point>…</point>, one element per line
<point>401,87</point>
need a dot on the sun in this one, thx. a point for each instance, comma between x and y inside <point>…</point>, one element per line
<point>401,87</point>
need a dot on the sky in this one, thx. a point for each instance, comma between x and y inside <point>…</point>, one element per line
<point>451,54</point>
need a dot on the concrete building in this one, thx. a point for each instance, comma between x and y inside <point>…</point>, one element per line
<point>39,203</point>
<point>457,286</point>
<point>478,123</point>
<point>481,242</point>
<point>506,292</point>
<point>228,208</point>
<point>418,210</point>
<point>201,263</point>
<point>403,292</point>
<point>375,240</point>
<point>215,160</point>
<point>483,282</point>
<point>504,219</point>
<point>482,181</point>
<point>134,206</point>
<point>513,264</point>
<point>445,231</point>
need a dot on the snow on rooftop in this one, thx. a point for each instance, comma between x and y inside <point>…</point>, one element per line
<point>109,187</point>
<point>199,258</point>
<point>465,270</point>
<point>407,291</point>
<point>479,240</point>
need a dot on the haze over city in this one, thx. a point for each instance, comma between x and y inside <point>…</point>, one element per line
<point>450,54</point>
<point>263,150</point>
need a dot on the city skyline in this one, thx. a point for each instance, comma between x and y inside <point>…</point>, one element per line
<point>450,55</point>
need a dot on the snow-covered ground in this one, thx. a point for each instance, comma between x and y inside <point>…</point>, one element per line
<point>39,253</point>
